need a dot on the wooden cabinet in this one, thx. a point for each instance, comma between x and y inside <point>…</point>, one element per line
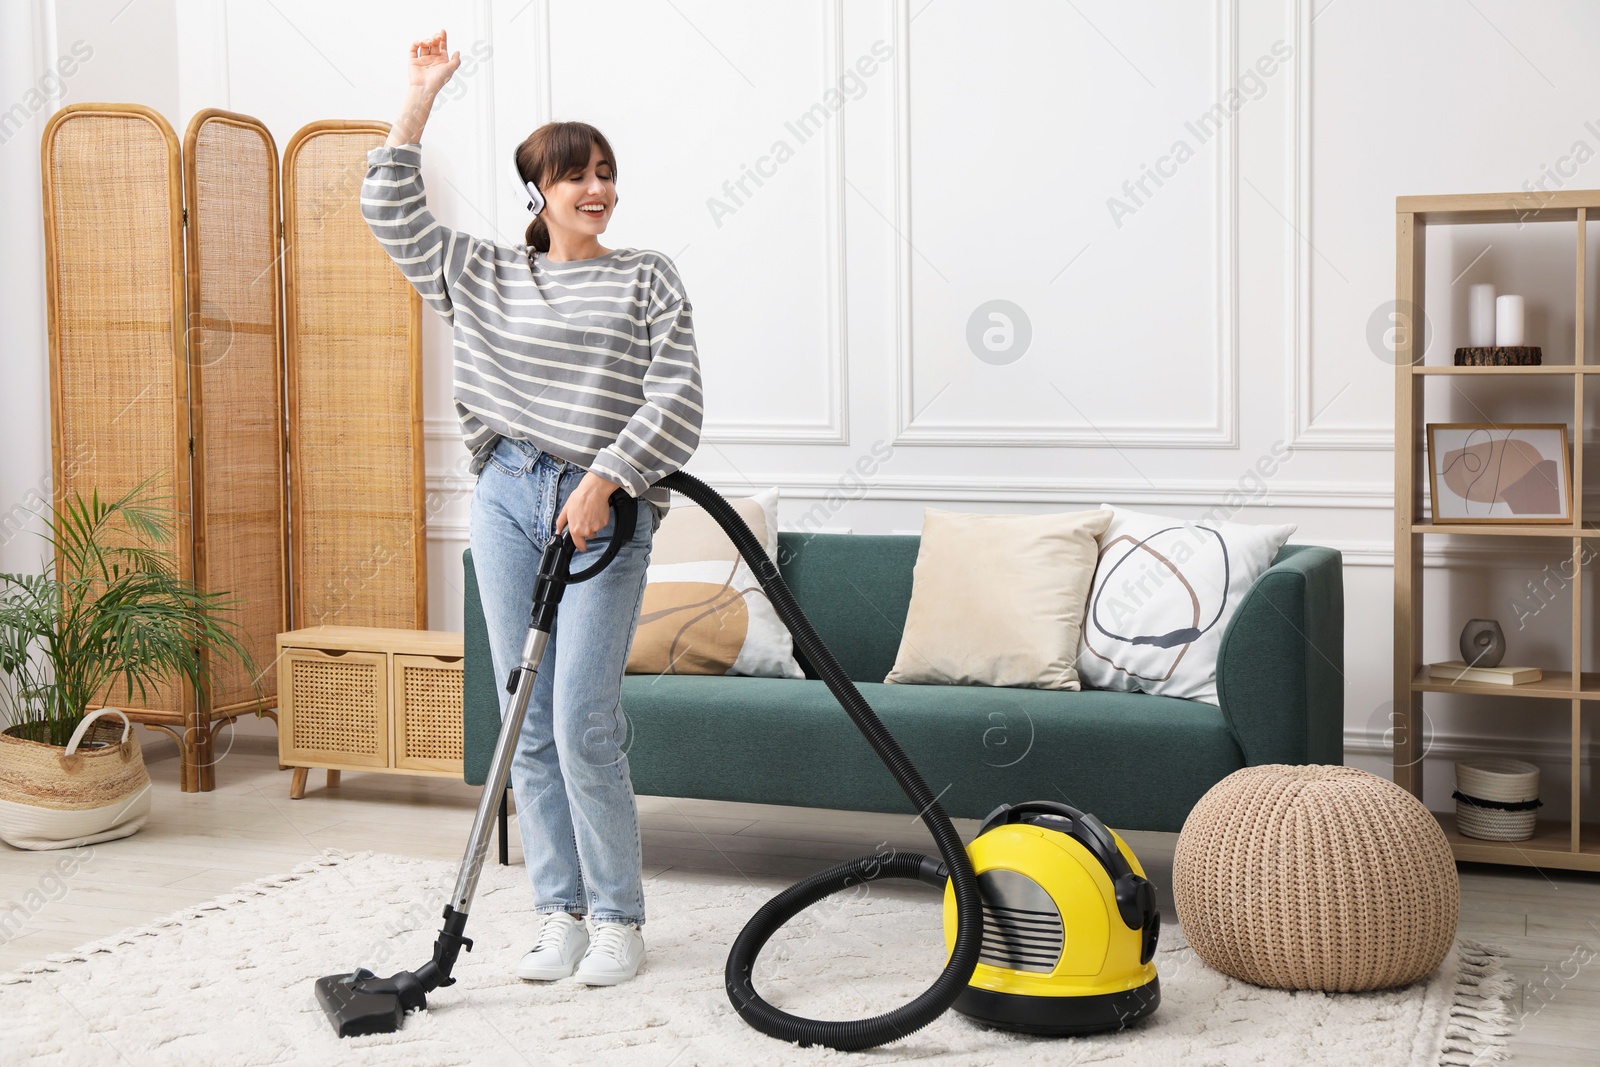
<point>369,698</point>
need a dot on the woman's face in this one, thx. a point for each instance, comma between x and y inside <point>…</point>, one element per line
<point>569,195</point>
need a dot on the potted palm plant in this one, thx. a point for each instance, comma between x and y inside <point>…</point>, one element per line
<point>112,609</point>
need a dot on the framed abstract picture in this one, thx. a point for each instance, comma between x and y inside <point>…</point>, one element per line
<point>1502,473</point>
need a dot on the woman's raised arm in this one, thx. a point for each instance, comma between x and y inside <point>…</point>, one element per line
<point>431,256</point>
<point>429,65</point>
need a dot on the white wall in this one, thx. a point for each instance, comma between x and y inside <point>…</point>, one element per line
<point>970,153</point>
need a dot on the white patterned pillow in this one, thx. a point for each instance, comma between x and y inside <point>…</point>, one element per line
<point>1164,590</point>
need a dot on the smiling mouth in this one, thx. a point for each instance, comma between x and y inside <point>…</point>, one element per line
<point>596,212</point>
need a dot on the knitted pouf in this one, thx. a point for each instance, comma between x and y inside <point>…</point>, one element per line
<point>1315,877</point>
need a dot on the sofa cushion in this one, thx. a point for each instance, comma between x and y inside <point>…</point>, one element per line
<point>773,740</point>
<point>998,599</point>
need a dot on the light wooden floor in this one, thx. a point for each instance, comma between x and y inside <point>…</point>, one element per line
<point>195,846</point>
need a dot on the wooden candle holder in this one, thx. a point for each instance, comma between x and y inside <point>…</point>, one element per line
<point>1499,356</point>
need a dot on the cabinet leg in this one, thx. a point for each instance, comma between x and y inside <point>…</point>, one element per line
<point>333,779</point>
<point>297,785</point>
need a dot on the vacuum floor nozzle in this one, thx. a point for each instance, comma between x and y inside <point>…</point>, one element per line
<point>354,1010</point>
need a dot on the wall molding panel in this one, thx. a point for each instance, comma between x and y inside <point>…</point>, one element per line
<point>1307,430</point>
<point>910,428</point>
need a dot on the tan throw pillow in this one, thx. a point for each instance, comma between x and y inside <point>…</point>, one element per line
<point>704,610</point>
<point>999,599</point>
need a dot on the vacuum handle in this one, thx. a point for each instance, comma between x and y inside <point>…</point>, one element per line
<point>627,519</point>
<point>1089,824</point>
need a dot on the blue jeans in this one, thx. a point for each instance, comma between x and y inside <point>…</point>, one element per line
<point>575,805</point>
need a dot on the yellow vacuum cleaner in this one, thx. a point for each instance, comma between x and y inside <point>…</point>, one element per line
<point>1069,924</point>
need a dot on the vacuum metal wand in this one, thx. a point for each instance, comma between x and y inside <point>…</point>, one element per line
<point>360,1002</point>
<point>520,685</point>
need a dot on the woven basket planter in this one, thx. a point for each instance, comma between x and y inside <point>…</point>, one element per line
<point>1497,799</point>
<point>1315,877</point>
<point>54,797</point>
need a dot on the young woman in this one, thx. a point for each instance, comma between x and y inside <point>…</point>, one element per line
<point>575,373</point>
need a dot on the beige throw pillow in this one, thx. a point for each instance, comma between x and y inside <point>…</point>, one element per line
<point>704,611</point>
<point>999,599</point>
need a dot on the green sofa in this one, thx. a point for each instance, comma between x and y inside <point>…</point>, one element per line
<point>1137,761</point>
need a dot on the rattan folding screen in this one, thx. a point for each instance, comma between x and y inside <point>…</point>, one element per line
<point>170,353</point>
<point>355,395</point>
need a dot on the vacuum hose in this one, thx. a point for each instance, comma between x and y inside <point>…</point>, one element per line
<point>853,1034</point>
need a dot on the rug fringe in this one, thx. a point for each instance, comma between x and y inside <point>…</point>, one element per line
<point>1480,1013</point>
<point>56,961</point>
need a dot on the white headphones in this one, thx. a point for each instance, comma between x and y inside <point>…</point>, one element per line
<point>534,200</point>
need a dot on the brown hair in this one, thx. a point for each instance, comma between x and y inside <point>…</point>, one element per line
<point>552,151</point>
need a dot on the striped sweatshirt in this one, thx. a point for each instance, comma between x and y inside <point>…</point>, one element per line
<point>591,360</point>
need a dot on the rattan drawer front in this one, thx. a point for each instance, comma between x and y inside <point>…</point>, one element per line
<point>334,708</point>
<point>427,712</point>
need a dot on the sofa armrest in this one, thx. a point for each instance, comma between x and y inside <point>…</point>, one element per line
<point>480,696</point>
<point>1280,670</point>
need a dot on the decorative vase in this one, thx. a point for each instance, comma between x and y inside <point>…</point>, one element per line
<point>1483,643</point>
<point>54,797</point>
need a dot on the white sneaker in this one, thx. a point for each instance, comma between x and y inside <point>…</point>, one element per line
<point>562,941</point>
<point>615,952</point>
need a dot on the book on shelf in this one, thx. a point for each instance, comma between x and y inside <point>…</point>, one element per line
<point>1456,670</point>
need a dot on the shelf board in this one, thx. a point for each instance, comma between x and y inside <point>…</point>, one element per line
<point>1519,207</point>
<point>1550,846</point>
<point>374,639</point>
<point>1555,685</point>
<point>1543,368</point>
<point>1506,530</point>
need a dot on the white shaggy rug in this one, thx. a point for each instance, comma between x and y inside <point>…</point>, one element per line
<point>230,982</point>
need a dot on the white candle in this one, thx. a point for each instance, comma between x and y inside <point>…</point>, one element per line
<point>1480,316</point>
<point>1508,320</point>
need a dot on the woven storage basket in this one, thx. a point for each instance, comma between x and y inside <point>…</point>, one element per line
<point>1503,781</point>
<point>54,797</point>
<point>1315,877</point>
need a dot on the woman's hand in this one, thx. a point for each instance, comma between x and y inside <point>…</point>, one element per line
<point>428,66</point>
<point>431,64</point>
<point>587,509</point>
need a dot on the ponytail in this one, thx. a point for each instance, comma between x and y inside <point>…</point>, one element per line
<point>538,235</point>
